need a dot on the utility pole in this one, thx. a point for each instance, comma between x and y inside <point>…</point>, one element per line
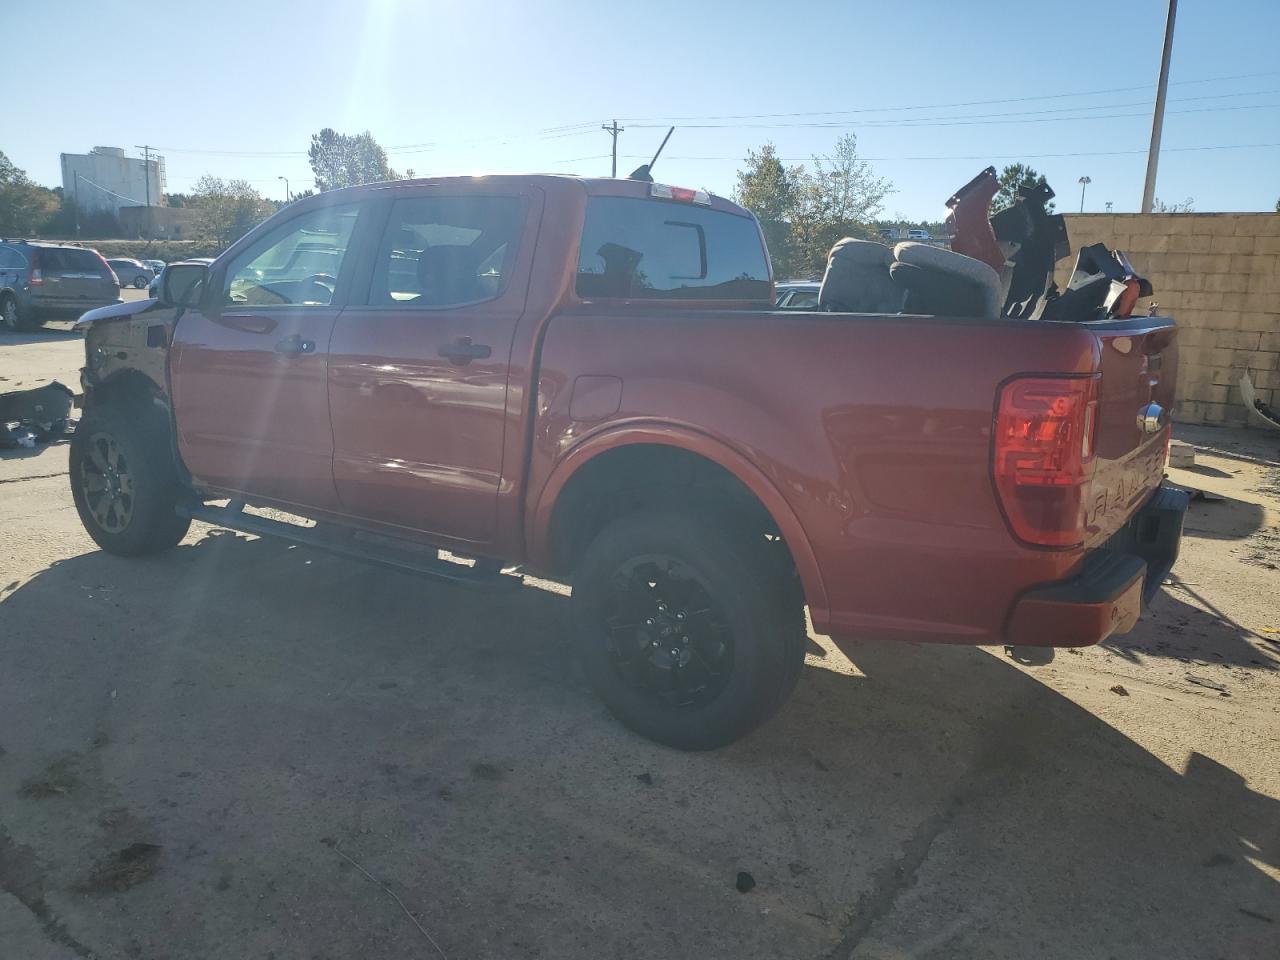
<point>76,202</point>
<point>1157,122</point>
<point>146,167</point>
<point>613,130</point>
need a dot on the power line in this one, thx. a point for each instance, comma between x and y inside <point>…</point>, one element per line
<point>982,156</point>
<point>940,106</point>
<point>110,192</point>
<point>873,123</point>
<point>938,122</point>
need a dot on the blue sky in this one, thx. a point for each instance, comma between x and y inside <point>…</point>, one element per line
<point>237,88</point>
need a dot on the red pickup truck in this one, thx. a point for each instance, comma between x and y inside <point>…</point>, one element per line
<point>586,380</point>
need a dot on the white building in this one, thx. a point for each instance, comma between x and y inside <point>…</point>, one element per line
<point>105,179</point>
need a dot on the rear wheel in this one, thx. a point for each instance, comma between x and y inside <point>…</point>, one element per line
<point>10,316</point>
<point>124,483</point>
<point>684,629</point>
<point>139,282</point>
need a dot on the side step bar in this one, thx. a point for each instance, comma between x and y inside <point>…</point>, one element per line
<point>373,548</point>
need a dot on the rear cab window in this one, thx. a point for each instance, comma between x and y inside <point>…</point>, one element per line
<point>65,260</point>
<point>441,252</point>
<point>647,249</point>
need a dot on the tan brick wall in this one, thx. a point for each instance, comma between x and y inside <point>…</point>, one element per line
<point>1218,275</point>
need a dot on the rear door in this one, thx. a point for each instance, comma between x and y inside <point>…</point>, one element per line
<point>249,366</point>
<point>1139,363</point>
<point>12,264</point>
<point>75,278</point>
<point>418,374</point>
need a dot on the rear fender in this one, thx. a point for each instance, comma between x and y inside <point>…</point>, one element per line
<point>539,519</point>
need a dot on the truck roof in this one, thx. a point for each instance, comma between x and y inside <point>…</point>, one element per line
<point>550,182</point>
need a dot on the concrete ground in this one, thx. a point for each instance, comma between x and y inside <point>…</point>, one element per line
<point>246,750</point>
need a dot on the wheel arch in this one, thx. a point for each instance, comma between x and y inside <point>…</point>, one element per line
<point>546,522</point>
<point>128,386</point>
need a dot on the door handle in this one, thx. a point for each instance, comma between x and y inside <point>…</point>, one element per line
<point>247,322</point>
<point>295,346</point>
<point>462,351</point>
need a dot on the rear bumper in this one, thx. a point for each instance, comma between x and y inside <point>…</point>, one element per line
<point>1117,581</point>
<point>63,306</point>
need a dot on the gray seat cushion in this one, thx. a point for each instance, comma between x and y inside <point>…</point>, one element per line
<point>857,278</point>
<point>929,257</point>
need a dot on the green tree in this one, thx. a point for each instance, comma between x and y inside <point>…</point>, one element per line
<point>1186,206</point>
<point>769,190</point>
<point>228,208</point>
<point>804,213</point>
<point>1011,178</point>
<point>344,160</point>
<point>841,198</point>
<point>25,206</point>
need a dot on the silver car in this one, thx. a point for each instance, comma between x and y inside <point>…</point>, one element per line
<point>132,273</point>
<point>153,290</point>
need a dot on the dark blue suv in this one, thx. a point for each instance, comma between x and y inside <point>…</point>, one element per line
<point>40,280</point>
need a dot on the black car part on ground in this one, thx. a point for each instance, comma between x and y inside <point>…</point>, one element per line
<point>38,415</point>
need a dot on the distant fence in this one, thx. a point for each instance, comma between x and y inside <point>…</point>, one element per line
<point>1218,274</point>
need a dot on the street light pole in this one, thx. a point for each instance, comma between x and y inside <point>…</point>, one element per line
<point>288,197</point>
<point>1157,121</point>
<point>76,203</point>
<point>1084,183</point>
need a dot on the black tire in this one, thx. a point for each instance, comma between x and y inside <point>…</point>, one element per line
<point>11,317</point>
<point>718,588</point>
<point>139,282</point>
<point>122,454</point>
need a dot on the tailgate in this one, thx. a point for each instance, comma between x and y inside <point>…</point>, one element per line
<point>1139,364</point>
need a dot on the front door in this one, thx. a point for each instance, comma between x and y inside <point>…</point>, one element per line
<point>249,366</point>
<point>418,373</point>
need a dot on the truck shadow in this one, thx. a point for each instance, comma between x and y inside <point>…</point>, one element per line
<point>1175,629</point>
<point>45,334</point>
<point>1223,519</point>
<point>910,799</point>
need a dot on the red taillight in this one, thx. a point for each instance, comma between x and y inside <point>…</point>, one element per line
<point>37,272</point>
<point>1042,456</point>
<point>685,194</point>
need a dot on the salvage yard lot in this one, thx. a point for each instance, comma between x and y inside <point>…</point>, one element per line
<point>191,743</point>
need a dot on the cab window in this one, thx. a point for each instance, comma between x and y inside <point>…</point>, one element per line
<point>440,252</point>
<point>297,264</point>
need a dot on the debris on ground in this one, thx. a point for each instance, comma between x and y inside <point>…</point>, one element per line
<point>1205,682</point>
<point>745,882</point>
<point>1181,454</point>
<point>1119,690</point>
<point>646,778</point>
<point>41,415</point>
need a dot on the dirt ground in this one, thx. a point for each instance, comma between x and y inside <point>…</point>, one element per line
<point>246,750</point>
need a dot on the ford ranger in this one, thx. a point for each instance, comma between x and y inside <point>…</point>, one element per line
<point>586,380</point>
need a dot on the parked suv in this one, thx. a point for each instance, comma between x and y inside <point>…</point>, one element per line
<point>41,280</point>
<point>131,273</point>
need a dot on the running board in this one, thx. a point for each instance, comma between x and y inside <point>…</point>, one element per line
<point>373,548</point>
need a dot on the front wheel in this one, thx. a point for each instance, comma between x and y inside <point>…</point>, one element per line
<point>685,630</point>
<point>124,482</point>
<point>139,282</point>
